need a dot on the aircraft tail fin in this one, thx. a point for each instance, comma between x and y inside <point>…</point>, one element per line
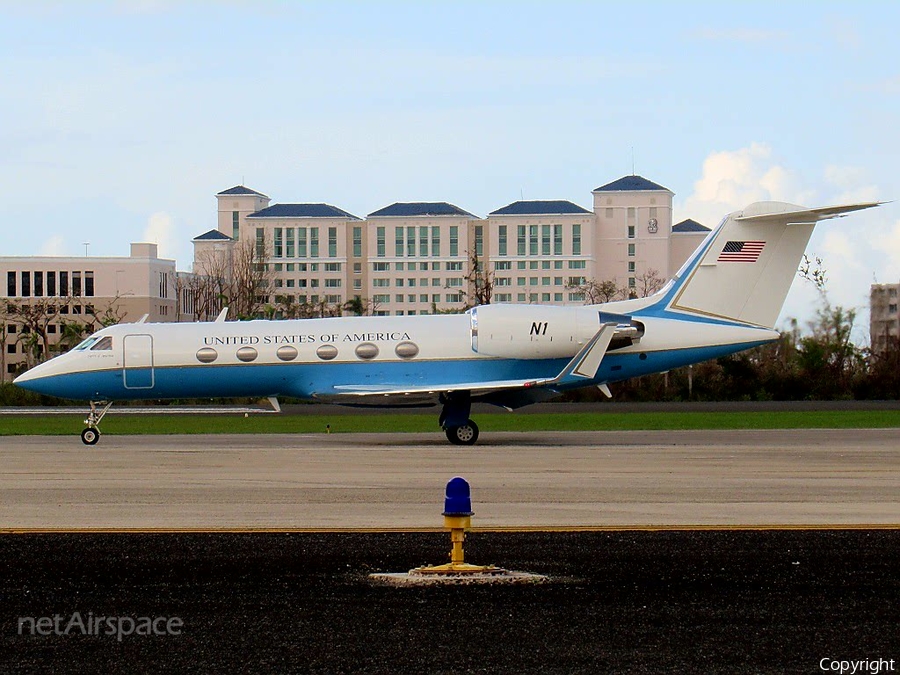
<point>743,270</point>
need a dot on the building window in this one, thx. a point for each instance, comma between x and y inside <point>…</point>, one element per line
<point>357,242</point>
<point>235,225</point>
<point>520,241</point>
<point>545,240</point>
<point>532,240</point>
<point>63,284</point>
<point>51,284</point>
<point>576,239</point>
<point>11,284</point>
<point>435,241</point>
<point>501,240</point>
<point>479,240</point>
<point>26,284</point>
<point>290,243</point>
<point>332,267</point>
<point>38,284</point>
<point>332,283</point>
<point>411,242</point>
<point>332,242</point>
<point>631,249</point>
<point>314,242</point>
<point>76,283</point>
<point>631,266</point>
<point>398,241</point>
<point>260,243</point>
<point>301,242</point>
<point>379,242</point>
<point>557,240</point>
<point>423,241</point>
<point>89,284</point>
<point>576,264</point>
<point>631,231</point>
<point>381,267</point>
<point>454,240</point>
<point>279,243</point>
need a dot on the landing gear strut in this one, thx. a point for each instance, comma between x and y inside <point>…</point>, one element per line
<point>91,434</point>
<point>455,420</point>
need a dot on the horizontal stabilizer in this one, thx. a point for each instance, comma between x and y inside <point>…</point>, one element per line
<point>802,216</point>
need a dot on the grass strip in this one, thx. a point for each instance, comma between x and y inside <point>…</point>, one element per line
<point>124,423</point>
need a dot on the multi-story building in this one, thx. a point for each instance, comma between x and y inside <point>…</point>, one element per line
<point>44,295</point>
<point>884,316</point>
<point>420,257</point>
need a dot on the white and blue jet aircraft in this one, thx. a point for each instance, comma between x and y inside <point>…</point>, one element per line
<point>725,299</point>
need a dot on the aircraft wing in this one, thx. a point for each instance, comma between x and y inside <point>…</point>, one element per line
<point>584,365</point>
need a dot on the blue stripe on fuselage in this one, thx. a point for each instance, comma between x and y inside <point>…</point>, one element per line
<point>304,380</point>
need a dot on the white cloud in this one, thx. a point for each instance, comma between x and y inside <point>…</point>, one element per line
<point>161,230</point>
<point>732,179</point>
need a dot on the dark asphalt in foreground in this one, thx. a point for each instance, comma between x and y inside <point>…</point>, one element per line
<point>644,602</point>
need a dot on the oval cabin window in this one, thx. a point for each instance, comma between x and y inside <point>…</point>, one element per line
<point>327,352</point>
<point>207,355</point>
<point>247,354</point>
<point>407,350</point>
<point>286,353</point>
<point>367,351</point>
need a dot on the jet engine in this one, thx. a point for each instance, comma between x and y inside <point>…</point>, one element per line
<point>543,332</point>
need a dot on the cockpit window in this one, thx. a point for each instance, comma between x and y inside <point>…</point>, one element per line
<point>86,344</point>
<point>104,344</point>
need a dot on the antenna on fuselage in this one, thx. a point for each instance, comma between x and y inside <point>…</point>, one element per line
<point>222,315</point>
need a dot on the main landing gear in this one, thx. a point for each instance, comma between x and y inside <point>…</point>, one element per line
<point>455,420</point>
<point>91,434</point>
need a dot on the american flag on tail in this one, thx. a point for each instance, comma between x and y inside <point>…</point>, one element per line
<point>741,251</point>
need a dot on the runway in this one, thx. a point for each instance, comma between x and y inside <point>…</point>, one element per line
<point>385,482</point>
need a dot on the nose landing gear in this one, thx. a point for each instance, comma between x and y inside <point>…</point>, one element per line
<point>91,434</point>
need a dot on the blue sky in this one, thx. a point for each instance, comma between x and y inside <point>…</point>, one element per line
<point>121,120</point>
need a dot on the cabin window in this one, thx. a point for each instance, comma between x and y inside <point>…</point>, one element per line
<point>367,350</point>
<point>247,354</point>
<point>207,355</point>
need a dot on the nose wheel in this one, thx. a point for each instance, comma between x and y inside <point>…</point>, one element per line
<point>91,434</point>
<point>464,434</point>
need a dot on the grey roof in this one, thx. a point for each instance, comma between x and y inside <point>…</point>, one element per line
<point>545,207</point>
<point>213,235</point>
<point>421,209</point>
<point>303,211</point>
<point>241,190</point>
<point>631,183</point>
<point>689,226</point>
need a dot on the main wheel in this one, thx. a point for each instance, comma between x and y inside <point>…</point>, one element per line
<point>465,434</point>
<point>90,436</point>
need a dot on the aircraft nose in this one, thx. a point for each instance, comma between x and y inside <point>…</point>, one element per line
<point>31,379</point>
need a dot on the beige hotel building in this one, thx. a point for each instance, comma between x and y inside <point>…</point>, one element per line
<point>415,257</point>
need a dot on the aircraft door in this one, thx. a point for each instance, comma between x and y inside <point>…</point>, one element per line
<point>138,362</point>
